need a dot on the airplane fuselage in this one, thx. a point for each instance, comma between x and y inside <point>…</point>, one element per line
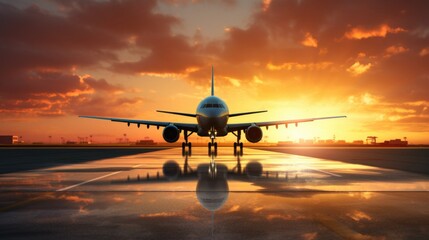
<point>212,115</point>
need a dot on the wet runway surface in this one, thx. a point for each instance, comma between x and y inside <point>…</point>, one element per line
<point>261,195</point>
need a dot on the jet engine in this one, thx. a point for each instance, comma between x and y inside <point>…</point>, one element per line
<point>171,134</point>
<point>253,134</point>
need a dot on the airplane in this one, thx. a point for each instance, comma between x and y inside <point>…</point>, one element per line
<point>212,117</point>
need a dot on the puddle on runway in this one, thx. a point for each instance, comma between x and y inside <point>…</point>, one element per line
<point>261,195</point>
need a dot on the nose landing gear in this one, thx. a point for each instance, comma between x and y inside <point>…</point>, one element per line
<point>212,144</point>
<point>214,152</point>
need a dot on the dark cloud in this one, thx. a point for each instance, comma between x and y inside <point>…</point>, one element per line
<point>372,46</point>
<point>58,93</point>
<point>249,45</point>
<point>39,49</point>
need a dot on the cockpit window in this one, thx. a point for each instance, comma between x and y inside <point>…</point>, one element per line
<point>213,105</point>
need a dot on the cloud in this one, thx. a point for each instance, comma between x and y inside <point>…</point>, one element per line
<point>92,33</point>
<point>299,66</point>
<point>380,31</point>
<point>53,93</point>
<point>309,41</point>
<point>365,98</point>
<point>358,68</point>
<point>265,5</point>
<point>245,45</point>
<point>395,49</point>
<point>43,49</point>
<point>424,52</point>
<point>382,113</point>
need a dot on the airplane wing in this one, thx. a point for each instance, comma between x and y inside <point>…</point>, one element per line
<point>178,113</point>
<point>241,126</point>
<point>245,113</point>
<point>183,126</point>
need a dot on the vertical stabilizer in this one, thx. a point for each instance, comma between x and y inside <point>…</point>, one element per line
<point>212,81</point>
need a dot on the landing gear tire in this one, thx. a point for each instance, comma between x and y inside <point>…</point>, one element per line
<point>215,148</point>
<point>184,145</point>
<point>210,148</point>
<point>240,146</point>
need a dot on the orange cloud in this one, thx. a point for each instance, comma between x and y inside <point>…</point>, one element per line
<point>265,5</point>
<point>59,93</point>
<point>395,49</point>
<point>380,31</point>
<point>366,98</point>
<point>309,40</point>
<point>299,66</point>
<point>358,68</point>
<point>424,52</point>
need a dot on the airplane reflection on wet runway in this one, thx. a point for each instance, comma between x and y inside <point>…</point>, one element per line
<point>212,185</point>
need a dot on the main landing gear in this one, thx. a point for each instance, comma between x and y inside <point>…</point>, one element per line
<point>238,144</point>
<point>186,144</point>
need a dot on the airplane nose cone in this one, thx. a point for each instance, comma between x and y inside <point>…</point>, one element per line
<point>212,114</point>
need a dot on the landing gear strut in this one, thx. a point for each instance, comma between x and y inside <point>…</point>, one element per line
<point>238,143</point>
<point>186,144</point>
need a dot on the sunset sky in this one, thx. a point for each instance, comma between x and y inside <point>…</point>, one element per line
<point>368,60</point>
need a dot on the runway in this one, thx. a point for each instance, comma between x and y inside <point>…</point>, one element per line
<point>294,196</point>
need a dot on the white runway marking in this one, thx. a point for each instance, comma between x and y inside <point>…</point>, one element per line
<point>92,180</point>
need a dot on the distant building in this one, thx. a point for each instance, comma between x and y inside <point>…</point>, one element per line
<point>146,142</point>
<point>8,139</point>
<point>394,143</point>
<point>358,142</point>
<point>341,142</point>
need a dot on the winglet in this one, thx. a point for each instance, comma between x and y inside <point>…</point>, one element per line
<point>212,81</point>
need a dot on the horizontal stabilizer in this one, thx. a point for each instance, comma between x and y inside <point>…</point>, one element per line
<point>178,113</point>
<point>245,113</point>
